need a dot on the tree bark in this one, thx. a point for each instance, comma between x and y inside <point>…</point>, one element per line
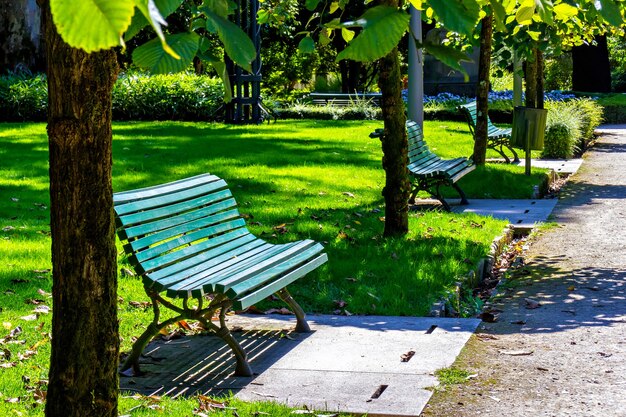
<point>20,36</point>
<point>530,76</point>
<point>540,78</point>
<point>482,91</point>
<point>394,143</point>
<point>83,377</point>
<point>591,68</point>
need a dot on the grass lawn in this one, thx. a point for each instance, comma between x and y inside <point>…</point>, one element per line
<point>292,180</point>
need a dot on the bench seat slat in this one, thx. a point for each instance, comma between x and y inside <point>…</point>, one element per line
<point>275,270</point>
<point>209,281</point>
<point>264,292</point>
<point>206,275</point>
<point>195,249</point>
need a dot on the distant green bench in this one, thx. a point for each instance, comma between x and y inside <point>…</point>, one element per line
<point>428,171</point>
<point>497,138</point>
<point>187,239</point>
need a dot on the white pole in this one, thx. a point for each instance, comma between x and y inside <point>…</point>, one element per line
<point>416,71</point>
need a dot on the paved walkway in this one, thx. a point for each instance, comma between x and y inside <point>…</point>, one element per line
<point>566,355</point>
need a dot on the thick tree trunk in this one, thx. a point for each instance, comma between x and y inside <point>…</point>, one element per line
<point>85,341</point>
<point>482,91</point>
<point>395,146</point>
<point>530,76</point>
<point>591,69</point>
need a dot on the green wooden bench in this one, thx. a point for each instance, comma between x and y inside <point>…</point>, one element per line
<point>187,240</point>
<point>428,171</point>
<point>497,138</point>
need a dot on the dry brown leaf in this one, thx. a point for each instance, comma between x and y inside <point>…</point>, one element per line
<point>284,311</point>
<point>140,304</point>
<point>44,293</point>
<point>348,194</point>
<point>42,309</point>
<point>405,357</point>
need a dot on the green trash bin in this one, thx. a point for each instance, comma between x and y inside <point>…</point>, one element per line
<point>529,125</point>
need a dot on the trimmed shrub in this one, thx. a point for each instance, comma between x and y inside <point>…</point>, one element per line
<point>356,111</point>
<point>563,131</point>
<point>182,96</point>
<point>23,97</point>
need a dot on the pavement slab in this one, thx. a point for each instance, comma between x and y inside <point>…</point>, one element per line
<point>521,214</point>
<point>350,364</point>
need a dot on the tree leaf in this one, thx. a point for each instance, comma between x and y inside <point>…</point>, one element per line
<point>457,15</point>
<point>499,14</point>
<point>141,20</point>
<point>347,34</point>
<point>564,11</point>
<point>383,27</point>
<point>306,45</point>
<point>92,25</point>
<point>544,10</point>
<point>417,4</point>
<point>449,56</point>
<point>311,4</point>
<point>611,12</point>
<point>220,68</point>
<point>237,44</point>
<point>152,57</point>
<point>525,12</point>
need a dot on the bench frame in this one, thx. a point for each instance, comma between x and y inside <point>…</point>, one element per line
<point>497,138</point>
<point>295,260</point>
<point>428,171</point>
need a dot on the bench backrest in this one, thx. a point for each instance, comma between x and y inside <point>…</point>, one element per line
<point>469,109</point>
<point>419,153</point>
<point>160,223</point>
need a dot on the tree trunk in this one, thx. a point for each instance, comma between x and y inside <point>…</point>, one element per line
<point>530,76</point>
<point>20,35</point>
<point>482,91</point>
<point>540,78</point>
<point>85,341</point>
<point>395,144</point>
<point>591,69</point>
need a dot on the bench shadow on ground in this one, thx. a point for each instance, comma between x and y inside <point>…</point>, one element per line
<point>205,364</point>
<point>568,298</point>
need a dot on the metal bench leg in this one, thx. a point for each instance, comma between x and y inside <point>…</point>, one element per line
<point>461,193</point>
<point>243,367</point>
<point>301,326</point>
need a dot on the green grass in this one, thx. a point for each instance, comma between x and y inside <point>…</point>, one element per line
<point>452,376</point>
<point>292,179</point>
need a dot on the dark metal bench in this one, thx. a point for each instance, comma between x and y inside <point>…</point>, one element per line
<point>497,138</point>
<point>187,240</point>
<point>428,171</point>
<point>343,100</point>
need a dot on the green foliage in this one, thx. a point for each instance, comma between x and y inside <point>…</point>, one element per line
<point>500,80</point>
<point>452,376</point>
<point>357,110</point>
<point>558,72</point>
<point>183,96</point>
<point>152,56</point>
<point>563,131</point>
<point>590,114</point>
<point>23,97</point>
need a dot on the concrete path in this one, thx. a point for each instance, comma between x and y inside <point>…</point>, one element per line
<point>351,364</point>
<point>566,355</point>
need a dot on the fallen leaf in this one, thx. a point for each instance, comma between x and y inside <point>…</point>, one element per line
<point>488,317</point>
<point>183,325</point>
<point>539,368</point>
<point>340,303</point>
<point>571,288</point>
<point>531,304</point>
<point>41,271</point>
<point>34,301</point>
<point>7,325</point>
<point>348,194</point>
<point>42,309</point>
<point>519,322</point>
<point>302,412</point>
<point>44,293</point>
<point>127,272</point>
<point>516,352</point>
<point>405,357</point>
<point>8,228</point>
<point>140,304</point>
<point>15,199</point>
<point>30,317</point>
<point>284,311</point>
<point>13,400</point>
<point>15,332</point>
<point>351,279</point>
<point>7,365</point>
